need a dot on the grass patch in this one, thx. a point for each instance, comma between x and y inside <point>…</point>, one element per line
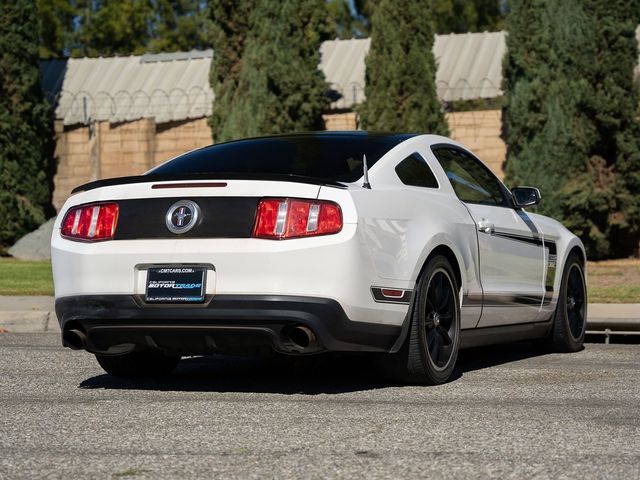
<point>19,277</point>
<point>614,281</point>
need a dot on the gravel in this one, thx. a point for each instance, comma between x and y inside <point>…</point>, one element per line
<point>510,412</point>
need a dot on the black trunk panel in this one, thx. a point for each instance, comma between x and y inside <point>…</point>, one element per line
<point>221,217</point>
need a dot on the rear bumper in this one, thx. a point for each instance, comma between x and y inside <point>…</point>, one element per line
<point>119,323</point>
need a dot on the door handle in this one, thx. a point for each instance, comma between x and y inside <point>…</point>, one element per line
<point>486,227</point>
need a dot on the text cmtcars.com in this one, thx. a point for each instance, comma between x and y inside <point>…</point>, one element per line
<point>395,244</point>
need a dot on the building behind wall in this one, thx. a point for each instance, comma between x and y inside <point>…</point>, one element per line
<point>120,116</point>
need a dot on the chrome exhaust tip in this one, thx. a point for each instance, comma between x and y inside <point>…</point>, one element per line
<point>75,339</point>
<point>301,337</point>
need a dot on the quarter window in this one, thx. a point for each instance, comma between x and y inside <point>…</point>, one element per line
<point>470,179</point>
<point>414,171</point>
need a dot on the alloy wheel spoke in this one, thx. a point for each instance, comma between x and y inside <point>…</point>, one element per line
<point>445,352</point>
<point>444,299</point>
<point>437,289</point>
<point>431,338</point>
<point>434,351</point>
<point>444,334</point>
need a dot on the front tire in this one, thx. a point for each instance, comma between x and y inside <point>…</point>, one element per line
<point>570,317</point>
<point>430,351</point>
<point>144,363</point>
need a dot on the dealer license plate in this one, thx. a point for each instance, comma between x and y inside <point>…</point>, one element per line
<point>176,285</point>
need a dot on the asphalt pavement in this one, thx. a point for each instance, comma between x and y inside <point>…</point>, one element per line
<point>509,412</point>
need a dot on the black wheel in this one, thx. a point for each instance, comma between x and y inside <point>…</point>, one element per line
<point>145,363</point>
<point>570,317</point>
<point>431,348</point>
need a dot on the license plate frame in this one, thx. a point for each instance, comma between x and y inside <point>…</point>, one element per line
<point>182,284</point>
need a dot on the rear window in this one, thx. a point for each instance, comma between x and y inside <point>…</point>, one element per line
<point>414,171</point>
<point>323,156</point>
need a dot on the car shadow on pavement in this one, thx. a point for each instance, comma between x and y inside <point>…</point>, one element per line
<point>323,374</point>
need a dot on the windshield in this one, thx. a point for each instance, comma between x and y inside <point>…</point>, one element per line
<point>323,156</point>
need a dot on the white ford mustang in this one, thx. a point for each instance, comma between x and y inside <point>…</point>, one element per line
<point>405,245</point>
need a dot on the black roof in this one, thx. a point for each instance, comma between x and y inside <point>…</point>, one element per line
<point>324,158</point>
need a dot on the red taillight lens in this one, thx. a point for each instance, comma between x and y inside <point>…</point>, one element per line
<point>91,222</point>
<point>281,218</point>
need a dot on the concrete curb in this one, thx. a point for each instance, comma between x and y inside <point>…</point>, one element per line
<point>36,315</point>
<point>28,322</point>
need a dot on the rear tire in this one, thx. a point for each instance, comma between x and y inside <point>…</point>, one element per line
<point>430,351</point>
<point>569,319</point>
<point>144,363</point>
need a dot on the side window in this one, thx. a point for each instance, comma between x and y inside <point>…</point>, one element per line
<point>471,180</point>
<point>414,171</point>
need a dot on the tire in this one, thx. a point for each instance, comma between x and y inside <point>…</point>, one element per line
<point>430,351</point>
<point>145,363</point>
<point>569,318</point>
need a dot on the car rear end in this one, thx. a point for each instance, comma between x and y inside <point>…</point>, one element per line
<point>195,265</point>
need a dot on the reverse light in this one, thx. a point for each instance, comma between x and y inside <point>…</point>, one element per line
<point>283,218</point>
<point>90,223</point>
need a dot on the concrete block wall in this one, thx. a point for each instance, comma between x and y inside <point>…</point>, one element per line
<point>114,150</point>
<point>479,131</point>
<point>341,121</point>
<point>107,150</point>
<point>175,138</point>
<point>73,154</point>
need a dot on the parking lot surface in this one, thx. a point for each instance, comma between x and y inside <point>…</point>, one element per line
<point>510,412</point>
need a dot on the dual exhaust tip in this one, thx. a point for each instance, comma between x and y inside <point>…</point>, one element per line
<point>299,337</point>
<point>75,339</point>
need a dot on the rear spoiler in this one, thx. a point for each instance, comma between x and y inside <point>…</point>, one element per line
<point>107,182</point>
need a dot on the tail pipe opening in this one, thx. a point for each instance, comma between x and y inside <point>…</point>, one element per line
<point>300,337</point>
<point>75,339</point>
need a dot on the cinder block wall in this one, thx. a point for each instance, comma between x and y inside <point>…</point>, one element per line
<point>119,149</point>
<point>479,131</point>
<point>175,138</point>
<point>341,121</point>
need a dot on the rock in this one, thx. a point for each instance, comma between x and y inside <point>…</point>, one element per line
<point>35,245</point>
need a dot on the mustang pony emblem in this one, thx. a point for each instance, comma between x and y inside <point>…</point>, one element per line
<point>182,216</point>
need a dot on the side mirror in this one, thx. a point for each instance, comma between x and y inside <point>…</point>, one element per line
<point>525,196</point>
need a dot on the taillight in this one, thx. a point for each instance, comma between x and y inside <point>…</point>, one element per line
<point>281,218</point>
<point>91,222</point>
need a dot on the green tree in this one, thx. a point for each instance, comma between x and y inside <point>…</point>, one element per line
<point>25,128</point>
<point>178,25</point>
<point>602,204</point>
<point>349,18</point>
<point>400,71</point>
<point>56,27</point>
<point>112,27</point>
<point>568,118</point>
<point>229,26</point>
<point>279,85</point>
<point>462,16</point>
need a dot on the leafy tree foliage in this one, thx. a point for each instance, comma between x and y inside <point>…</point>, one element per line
<point>229,26</point>
<point>110,27</point>
<point>569,116</point>
<point>25,129</point>
<point>274,83</point>
<point>462,16</point>
<point>120,27</point>
<point>400,76</point>
<point>349,18</point>
<point>56,27</point>
<point>178,25</point>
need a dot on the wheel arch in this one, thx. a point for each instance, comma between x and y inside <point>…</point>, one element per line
<point>440,249</point>
<point>448,253</point>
